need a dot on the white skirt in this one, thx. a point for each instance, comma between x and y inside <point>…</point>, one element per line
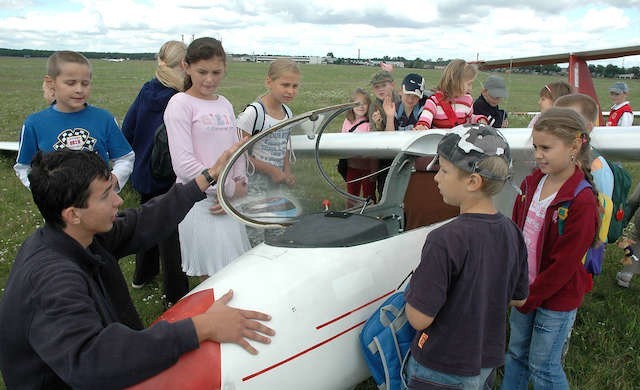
<point>209,242</point>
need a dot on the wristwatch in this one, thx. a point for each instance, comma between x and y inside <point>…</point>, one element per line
<point>209,178</point>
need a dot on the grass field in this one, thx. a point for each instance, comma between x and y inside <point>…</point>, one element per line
<point>605,347</point>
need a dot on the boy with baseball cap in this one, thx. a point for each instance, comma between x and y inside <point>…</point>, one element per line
<point>621,113</point>
<point>411,102</point>
<point>493,91</point>
<point>470,270</point>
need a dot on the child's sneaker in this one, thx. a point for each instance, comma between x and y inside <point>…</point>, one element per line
<point>624,278</point>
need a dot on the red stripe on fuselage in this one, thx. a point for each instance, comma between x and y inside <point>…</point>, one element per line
<point>297,355</point>
<point>354,310</point>
<point>246,378</point>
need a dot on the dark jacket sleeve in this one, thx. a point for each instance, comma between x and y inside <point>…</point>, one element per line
<point>130,120</point>
<point>67,333</point>
<point>143,227</point>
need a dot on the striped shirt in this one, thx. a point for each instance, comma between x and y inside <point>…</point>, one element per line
<point>434,116</point>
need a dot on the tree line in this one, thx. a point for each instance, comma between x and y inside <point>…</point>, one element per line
<point>609,70</point>
<point>88,54</point>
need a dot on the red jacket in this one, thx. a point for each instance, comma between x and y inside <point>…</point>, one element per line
<point>562,280</point>
<point>614,115</point>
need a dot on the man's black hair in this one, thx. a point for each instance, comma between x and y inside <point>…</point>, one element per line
<point>62,178</point>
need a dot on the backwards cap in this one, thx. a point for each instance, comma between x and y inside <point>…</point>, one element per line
<point>413,84</point>
<point>467,145</point>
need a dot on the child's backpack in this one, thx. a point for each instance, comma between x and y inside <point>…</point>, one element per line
<point>621,186</point>
<point>161,167</point>
<point>594,257</point>
<point>258,124</point>
<point>385,340</point>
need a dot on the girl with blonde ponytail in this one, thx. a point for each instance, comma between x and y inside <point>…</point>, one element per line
<point>169,71</point>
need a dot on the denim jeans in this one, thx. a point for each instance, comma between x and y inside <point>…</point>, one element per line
<point>535,349</point>
<point>419,377</point>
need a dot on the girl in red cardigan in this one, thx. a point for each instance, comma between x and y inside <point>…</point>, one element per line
<point>557,277</point>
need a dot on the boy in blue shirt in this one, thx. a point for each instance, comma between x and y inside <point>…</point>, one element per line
<point>413,97</point>
<point>71,123</point>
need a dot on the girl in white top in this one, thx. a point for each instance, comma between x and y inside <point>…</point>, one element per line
<point>200,126</point>
<point>270,158</point>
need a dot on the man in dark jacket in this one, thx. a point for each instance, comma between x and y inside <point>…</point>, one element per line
<point>66,317</point>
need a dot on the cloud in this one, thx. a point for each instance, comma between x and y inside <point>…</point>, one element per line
<point>598,20</point>
<point>375,28</point>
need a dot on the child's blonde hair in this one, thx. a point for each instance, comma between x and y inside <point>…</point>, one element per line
<point>570,127</point>
<point>587,107</point>
<point>359,92</point>
<point>498,168</point>
<point>170,57</point>
<point>58,58</point>
<point>454,76</point>
<point>280,66</point>
<point>555,90</point>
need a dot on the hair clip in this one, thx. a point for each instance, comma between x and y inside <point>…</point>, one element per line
<point>582,137</point>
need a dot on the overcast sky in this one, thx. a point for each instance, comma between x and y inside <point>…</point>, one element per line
<point>426,29</point>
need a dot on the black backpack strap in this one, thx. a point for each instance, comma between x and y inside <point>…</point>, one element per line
<point>358,124</point>
<point>258,123</point>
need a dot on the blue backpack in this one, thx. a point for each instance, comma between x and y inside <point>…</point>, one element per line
<point>385,341</point>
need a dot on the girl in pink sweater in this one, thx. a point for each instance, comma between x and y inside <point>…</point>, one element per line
<point>357,121</point>
<point>200,126</point>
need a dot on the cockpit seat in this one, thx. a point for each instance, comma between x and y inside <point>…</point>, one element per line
<point>331,229</point>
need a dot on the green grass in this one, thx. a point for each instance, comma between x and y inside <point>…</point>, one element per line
<point>605,346</point>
